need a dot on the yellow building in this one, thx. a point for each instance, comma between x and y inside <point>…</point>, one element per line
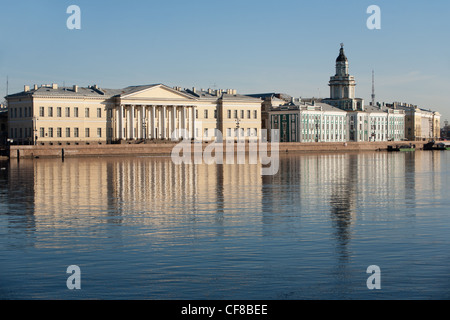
<point>420,124</point>
<point>49,114</point>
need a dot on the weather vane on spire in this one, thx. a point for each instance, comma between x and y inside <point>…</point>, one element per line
<point>342,45</point>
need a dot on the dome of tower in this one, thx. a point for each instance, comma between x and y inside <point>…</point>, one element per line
<point>342,57</point>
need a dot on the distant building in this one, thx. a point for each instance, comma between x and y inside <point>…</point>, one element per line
<point>420,124</point>
<point>52,115</point>
<point>445,131</point>
<point>340,118</point>
<point>3,125</point>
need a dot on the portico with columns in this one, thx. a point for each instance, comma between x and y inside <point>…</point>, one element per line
<point>158,112</point>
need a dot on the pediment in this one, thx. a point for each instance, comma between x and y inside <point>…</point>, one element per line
<point>157,92</point>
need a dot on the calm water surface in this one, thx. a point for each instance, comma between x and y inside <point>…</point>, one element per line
<point>144,228</point>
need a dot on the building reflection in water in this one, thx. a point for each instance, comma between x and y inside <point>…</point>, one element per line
<point>17,202</point>
<point>54,196</point>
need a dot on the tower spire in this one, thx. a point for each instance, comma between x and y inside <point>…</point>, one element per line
<point>373,88</point>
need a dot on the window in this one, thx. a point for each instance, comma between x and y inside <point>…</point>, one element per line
<point>41,132</point>
<point>255,114</point>
<point>75,112</point>
<point>99,132</point>
<point>229,114</point>
<point>50,132</point>
<point>67,132</point>
<point>206,114</point>
<point>215,114</point>
<point>15,113</point>
<point>86,112</point>
<point>248,114</point>
<point>228,132</point>
<point>12,133</point>
<point>76,132</point>
<point>58,112</point>
<point>87,133</point>
<point>67,112</point>
<point>206,133</point>
<point>235,114</point>
<point>50,111</point>
<point>196,114</point>
<point>59,132</point>
<point>99,112</point>
<point>242,114</point>
<point>25,112</point>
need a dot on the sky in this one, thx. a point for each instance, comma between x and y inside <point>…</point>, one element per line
<point>251,46</point>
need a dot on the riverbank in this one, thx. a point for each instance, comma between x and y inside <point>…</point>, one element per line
<point>165,149</point>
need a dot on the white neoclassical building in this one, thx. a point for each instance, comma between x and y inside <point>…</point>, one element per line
<point>49,114</point>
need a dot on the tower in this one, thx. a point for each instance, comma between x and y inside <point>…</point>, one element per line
<point>342,85</point>
<point>373,88</point>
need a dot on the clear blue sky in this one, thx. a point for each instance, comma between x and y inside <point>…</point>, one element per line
<point>248,45</point>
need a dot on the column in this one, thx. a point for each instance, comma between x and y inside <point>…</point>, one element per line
<point>194,118</point>
<point>174,122</point>
<point>144,123</point>
<point>183,121</point>
<point>131,123</point>
<point>120,122</point>
<point>138,123</point>
<point>164,124</point>
<point>169,123</point>
<point>152,120</point>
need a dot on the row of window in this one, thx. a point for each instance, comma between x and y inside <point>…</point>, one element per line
<point>68,112</point>
<point>242,114</point>
<point>20,133</point>
<point>58,111</point>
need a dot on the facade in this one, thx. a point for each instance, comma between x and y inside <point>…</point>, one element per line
<point>420,124</point>
<point>376,124</point>
<point>52,115</point>
<point>300,121</point>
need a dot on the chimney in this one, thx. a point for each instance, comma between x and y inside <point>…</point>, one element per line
<point>75,88</point>
<point>194,90</point>
<point>26,88</point>
<point>35,87</point>
<point>54,86</point>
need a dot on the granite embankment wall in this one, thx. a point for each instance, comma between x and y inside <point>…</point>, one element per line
<point>165,149</point>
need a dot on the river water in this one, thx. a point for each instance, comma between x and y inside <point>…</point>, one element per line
<point>145,228</point>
